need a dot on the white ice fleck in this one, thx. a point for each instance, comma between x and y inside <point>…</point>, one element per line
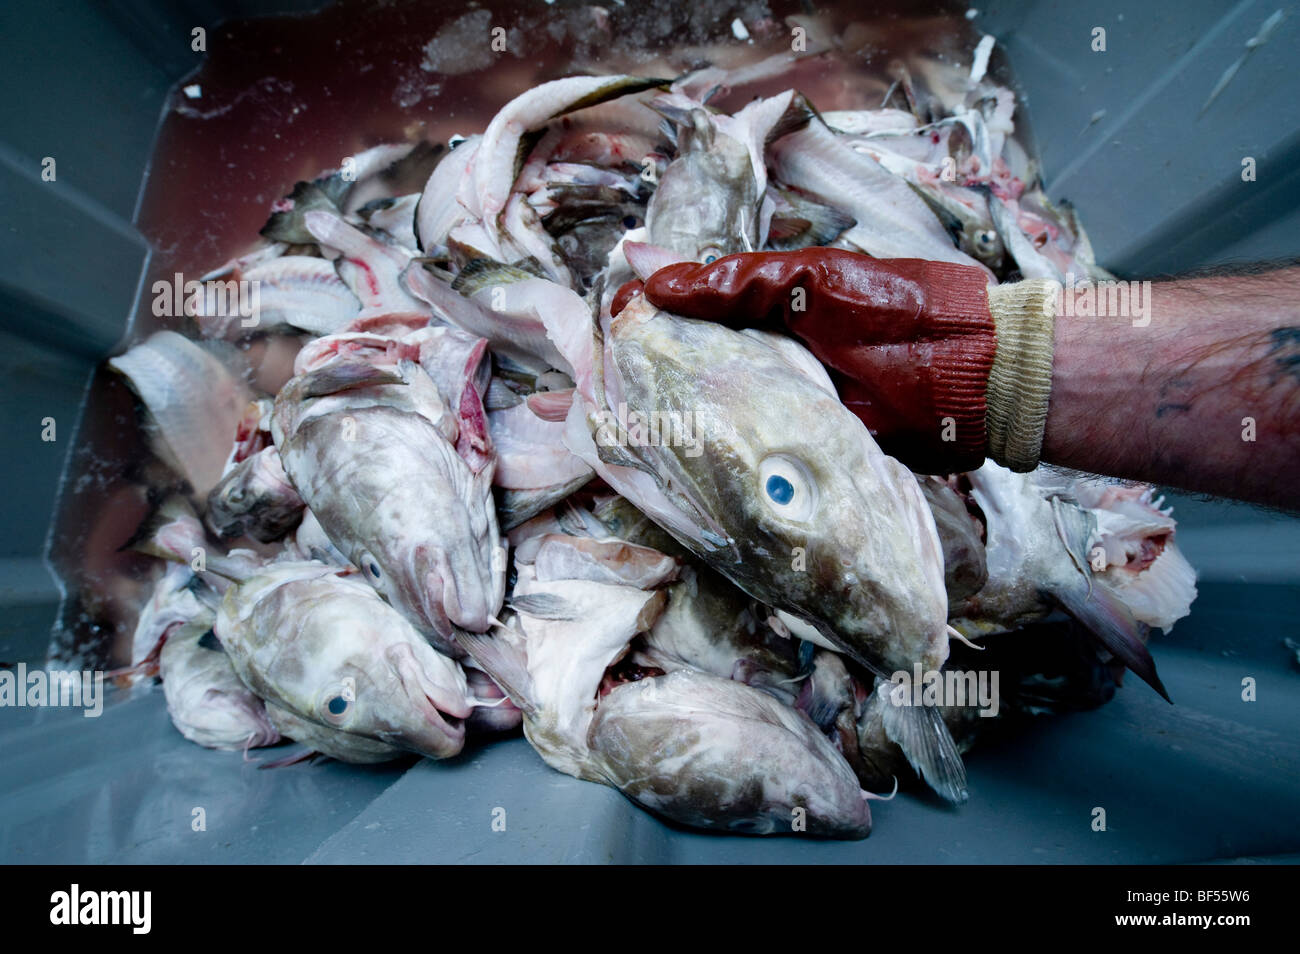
<point>193,91</point>
<point>972,13</point>
<point>738,29</point>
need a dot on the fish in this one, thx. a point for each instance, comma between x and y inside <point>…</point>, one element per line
<point>193,399</point>
<point>700,750</point>
<point>800,510</point>
<point>340,669</point>
<point>1134,553</point>
<point>256,498</point>
<point>381,172</point>
<point>401,483</point>
<point>178,598</point>
<point>498,157</point>
<point>532,462</point>
<point>713,753</point>
<point>706,204</point>
<point>438,211</point>
<point>711,626</point>
<point>1036,551</point>
<point>513,329</point>
<point>297,292</point>
<point>892,220</point>
<point>206,700</point>
<point>961,534</point>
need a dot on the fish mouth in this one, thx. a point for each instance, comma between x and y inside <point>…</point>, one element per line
<point>444,602</point>
<point>443,709</point>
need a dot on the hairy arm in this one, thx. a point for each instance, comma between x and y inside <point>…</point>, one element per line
<point>1206,396</point>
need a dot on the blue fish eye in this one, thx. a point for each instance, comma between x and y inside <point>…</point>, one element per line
<point>338,705</point>
<point>630,221</point>
<point>780,489</point>
<point>373,568</point>
<point>708,260</point>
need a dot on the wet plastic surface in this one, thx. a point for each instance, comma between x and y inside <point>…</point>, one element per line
<point>1159,187</point>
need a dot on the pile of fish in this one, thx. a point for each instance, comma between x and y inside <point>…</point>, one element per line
<point>480,501</point>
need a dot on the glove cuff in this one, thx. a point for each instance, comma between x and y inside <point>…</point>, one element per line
<point>1020,382</point>
<point>964,341</point>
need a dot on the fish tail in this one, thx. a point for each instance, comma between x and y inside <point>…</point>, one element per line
<point>1110,621</point>
<point>928,745</point>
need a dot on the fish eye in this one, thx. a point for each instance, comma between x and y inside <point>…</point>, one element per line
<point>370,567</point>
<point>630,221</point>
<point>337,701</point>
<point>710,254</point>
<point>786,488</point>
<point>986,238</point>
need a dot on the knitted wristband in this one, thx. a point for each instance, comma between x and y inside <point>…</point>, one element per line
<point>1020,383</point>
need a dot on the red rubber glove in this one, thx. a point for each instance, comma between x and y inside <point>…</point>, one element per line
<point>909,343</point>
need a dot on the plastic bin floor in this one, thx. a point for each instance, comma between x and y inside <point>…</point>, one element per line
<point>1210,778</point>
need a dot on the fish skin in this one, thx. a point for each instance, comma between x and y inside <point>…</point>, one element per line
<point>255,497</point>
<point>192,397</point>
<point>713,753</point>
<point>960,535</point>
<point>892,220</point>
<point>294,291</point>
<point>371,268</point>
<point>206,700</point>
<point>703,729</point>
<point>438,211</point>
<point>297,632</point>
<point>178,598</point>
<point>397,499</point>
<point>494,167</point>
<point>1037,555</point>
<point>514,332</point>
<point>707,202</point>
<point>882,603</point>
<point>711,626</point>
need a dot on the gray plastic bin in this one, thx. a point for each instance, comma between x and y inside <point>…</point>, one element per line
<point>1121,134</point>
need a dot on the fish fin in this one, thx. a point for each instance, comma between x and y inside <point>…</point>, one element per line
<point>516,506</point>
<point>1108,619</point>
<point>646,259</point>
<point>305,755</point>
<point>928,745</point>
<point>551,405</point>
<point>480,273</point>
<point>505,662</point>
<point>786,228</point>
<point>346,373</point>
<point>500,397</point>
<point>287,225</point>
<point>542,606</point>
<point>797,115</point>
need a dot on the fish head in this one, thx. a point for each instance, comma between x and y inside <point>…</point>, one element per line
<point>362,669</point>
<point>327,649</point>
<point>254,497</point>
<point>411,515</point>
<point>706,203</point>
<point>817,519</point>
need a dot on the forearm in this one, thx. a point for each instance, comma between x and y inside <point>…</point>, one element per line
<point>1205,397</point>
